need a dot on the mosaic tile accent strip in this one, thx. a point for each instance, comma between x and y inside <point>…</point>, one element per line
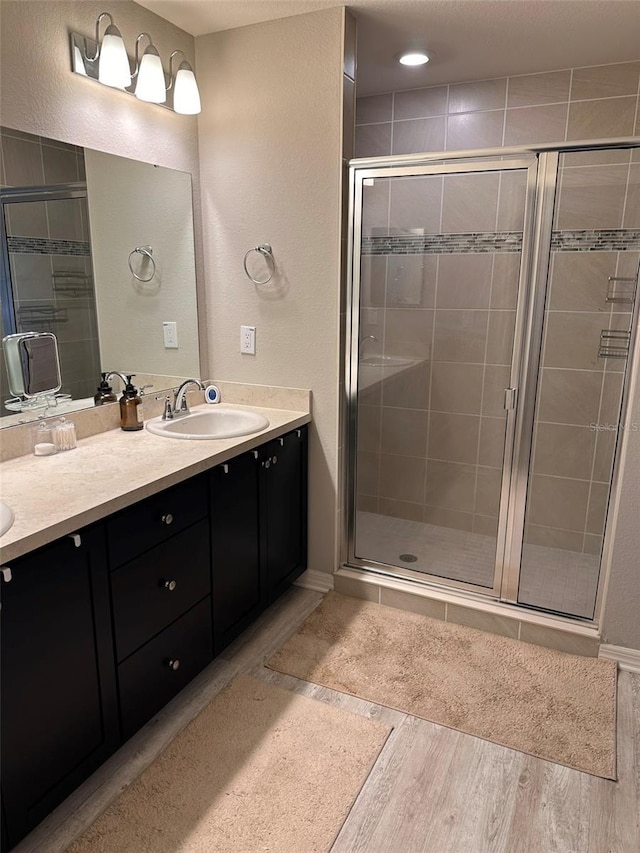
<point>617,240</point>
<point>436,244</point>
<point>620,240</point>
<point>44,246</point>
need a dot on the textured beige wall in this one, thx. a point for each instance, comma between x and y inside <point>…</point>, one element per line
<point>270,146</point>
<point>39,93</point>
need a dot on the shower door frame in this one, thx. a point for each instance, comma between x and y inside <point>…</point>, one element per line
<point>533,281</point>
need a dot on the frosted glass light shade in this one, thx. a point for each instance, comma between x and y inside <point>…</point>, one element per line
<point>150,85</point>
<point>113,66</point>
<point>186,97</point>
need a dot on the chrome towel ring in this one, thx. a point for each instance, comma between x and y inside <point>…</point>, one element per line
<point>147,252</point>
<point>266,251</point>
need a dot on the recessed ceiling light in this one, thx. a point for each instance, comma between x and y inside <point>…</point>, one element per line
<point>414,57</point>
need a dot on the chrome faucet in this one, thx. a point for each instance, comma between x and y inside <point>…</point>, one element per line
<point>364,340</point>
<point>180,406</point>
<point>117,373</point>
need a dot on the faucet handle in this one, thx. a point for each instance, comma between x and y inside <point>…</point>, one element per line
<point>167,414</point>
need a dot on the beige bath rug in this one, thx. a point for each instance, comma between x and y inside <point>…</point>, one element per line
<point>260,769</point>
<point>556,706</point>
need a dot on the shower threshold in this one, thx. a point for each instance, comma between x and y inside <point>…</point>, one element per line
<point>564,582</point>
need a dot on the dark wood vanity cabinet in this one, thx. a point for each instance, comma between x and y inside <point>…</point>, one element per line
<point>283,518</point>
<point>58,701</point>
<point>258,531</point>
<point>96,639</point>
<point>159,553</point>
<point>235,546</point>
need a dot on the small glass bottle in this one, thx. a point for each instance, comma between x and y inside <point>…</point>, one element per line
<point>130,408</point>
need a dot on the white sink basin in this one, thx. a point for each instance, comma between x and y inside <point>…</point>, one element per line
<point>6,517</point>
<point>386,361</point>
<point>208,424</point>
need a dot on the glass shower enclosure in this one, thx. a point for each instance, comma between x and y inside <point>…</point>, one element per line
<point>492,317</point>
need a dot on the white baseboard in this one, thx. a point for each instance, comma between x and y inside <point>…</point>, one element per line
<point>628,659</point>
<point>318,581</point>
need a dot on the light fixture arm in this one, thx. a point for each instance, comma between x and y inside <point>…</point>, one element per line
<point>97,38</point>
<point>137,52</point>
<point>171,74</point>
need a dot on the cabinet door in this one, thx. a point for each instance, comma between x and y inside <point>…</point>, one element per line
<point>283,507</point>
<point>59,713</point>
<point>234,546</point>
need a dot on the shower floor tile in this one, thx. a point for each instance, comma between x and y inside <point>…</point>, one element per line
<point>552,579</point>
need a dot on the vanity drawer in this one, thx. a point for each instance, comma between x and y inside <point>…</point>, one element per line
<point>160,585</point>
<point>148,680</point>
<point>156,519</point>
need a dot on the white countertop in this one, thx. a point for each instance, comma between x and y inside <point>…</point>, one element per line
<point>54,495</point>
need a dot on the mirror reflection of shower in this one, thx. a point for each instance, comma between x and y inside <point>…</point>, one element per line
<point>47,280</point>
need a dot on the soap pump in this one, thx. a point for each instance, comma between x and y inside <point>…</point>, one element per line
<point>130,408</point>
<point>105,393</point>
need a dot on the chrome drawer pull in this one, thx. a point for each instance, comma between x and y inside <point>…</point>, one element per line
<point>77,540</point>
<point>168,518</point>
<point>5,573</point>
<point>170,585</point>
<point>173,664</point>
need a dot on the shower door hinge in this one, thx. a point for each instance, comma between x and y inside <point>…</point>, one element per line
<point>510,396</point>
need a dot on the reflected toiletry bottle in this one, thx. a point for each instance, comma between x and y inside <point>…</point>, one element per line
<point>130,408</point>
<point>105,393</point>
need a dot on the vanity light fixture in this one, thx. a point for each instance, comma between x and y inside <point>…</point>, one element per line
<point>186,96</point>
<point>414,57</point>
<point>111,55</point>
<point>149,74</point>
<point>107,62</point>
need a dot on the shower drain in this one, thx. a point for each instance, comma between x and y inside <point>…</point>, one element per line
<point>408,558</point>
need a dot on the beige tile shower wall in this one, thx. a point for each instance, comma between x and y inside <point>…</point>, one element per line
<point>271,145</point>
<point>587,103</point>
<point>557,106</point>
<point>432,435</point>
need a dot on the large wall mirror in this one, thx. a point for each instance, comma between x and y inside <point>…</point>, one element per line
<point>98,250</point>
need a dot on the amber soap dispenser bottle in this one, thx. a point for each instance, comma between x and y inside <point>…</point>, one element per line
<point>130,408</point>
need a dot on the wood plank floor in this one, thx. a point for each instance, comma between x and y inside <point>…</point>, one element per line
<point>432,790</point>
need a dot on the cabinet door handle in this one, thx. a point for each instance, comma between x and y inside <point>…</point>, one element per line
<point>167,519</point>
<point>169,585</point>
<point>173,663</point>
<point>275,460</point>
<point>281,440</point>
<point>225,468</point>
<point>255,454</point>
<point>77,539</point>
<point>5,571</point>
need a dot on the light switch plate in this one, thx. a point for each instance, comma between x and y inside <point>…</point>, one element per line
<point>170,332</point>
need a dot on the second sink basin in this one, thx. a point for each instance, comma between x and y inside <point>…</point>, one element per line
<point>209,423</point>
<point>6,517</point>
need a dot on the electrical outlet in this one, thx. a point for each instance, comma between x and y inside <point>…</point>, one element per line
<point>170,332</point>
<point>248,339</point>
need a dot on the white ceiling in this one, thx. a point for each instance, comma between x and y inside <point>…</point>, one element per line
<point>471,39</point>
